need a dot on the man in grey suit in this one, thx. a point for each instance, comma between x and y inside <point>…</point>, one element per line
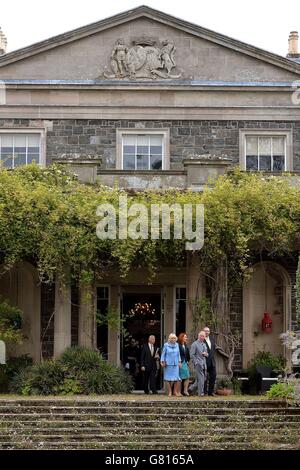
<point>198,356</point>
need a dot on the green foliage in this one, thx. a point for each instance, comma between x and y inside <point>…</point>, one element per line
<point>70,386</point>
<point>46,215</point>
<point>264,358</point>
<point>237,386</point>
<point>40,379</point>
<point>77,371</point>
<point>281,390</point>
<point>10,322</point>
<point>224,382</point>
<point>13,366</point>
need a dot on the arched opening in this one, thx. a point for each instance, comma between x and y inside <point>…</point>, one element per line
<point>268,289</point>
<point>21,287</point>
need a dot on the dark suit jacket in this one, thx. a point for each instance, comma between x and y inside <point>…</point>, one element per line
<point>147,360</point>
<point>184,353</point>
<point>210,360</point>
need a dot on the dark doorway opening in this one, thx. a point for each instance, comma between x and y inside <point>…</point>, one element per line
<point>141,318</point>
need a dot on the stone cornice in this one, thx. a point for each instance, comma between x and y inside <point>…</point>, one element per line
<point>158,16</point>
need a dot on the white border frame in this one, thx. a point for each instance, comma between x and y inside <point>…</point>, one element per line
<point>31,130</point>
<point>142,131</point>
<point>109,300</point>
<point>287,133</point>
<point>178,286</point>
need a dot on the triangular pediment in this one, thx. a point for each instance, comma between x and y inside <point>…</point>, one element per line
<point>145,44</point>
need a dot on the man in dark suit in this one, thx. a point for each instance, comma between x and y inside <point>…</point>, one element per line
<point>149,356</point>
<point>210,342</point>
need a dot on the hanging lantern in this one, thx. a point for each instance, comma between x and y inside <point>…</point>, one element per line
<point>266,323</point>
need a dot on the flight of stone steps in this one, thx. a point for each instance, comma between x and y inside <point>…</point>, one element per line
<point>148,424</point>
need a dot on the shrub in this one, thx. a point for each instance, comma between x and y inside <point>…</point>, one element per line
<point>281,390</point>
<point>224,382</point>
<point>263,358</point>
<point>77,371</point>
<point>13,366</point>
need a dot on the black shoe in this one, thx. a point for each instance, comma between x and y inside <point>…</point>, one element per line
<point>154,393</point>
<point>211,394</point>
<point>147,393</point>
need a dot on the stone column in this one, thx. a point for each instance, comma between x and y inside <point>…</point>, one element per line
<point>195,289</point>
<point>62,315</point>
<point>200,169</point>
<point>87,316</point>
<point>114,337</point>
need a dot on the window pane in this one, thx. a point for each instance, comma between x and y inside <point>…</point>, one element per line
<point>142,150</point>
<point>156,140</point>
<point>129,140</point>
<point>143,140</point>
<point>19,150</point>
<point>129,149</point>
<point>156,162</point>
<point>252,146</point>
<point>138,148</point>
<point>128,162</point>
<point>142,162</point>
<point>265,146</point>
<point>15,146</point>
<point>278,163</point>
<point>7,150</point>
<point>251,163</point>
<point>278,146</point>
<point>265,163</point>
<point>20,159</point>
<point>7,160</point>
<point>33,157</point>
<point>7,141</point>
<point>33,140</point>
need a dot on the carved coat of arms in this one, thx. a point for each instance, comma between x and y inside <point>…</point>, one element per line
<point>144,59</point>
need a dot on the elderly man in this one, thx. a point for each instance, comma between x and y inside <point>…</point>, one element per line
<point>198,355</point>
<point>209,385</point>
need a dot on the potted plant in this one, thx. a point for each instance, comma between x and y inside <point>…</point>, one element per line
<point>224,386</point>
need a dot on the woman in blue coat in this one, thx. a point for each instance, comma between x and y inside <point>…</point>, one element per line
<point>171,362</point>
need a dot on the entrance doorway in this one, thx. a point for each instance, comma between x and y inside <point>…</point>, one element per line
<point>141,317</point>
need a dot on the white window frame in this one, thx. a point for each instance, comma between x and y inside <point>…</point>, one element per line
<point>41,132</point>
<point>287,133</point>
<point>165,133</point>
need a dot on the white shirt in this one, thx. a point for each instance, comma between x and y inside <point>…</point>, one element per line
<point>208,342</point>
<point>151,348</point>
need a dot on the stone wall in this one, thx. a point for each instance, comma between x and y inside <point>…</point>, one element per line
<point>96,139</point>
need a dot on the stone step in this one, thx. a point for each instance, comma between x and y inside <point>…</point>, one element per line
<point>143,410</point>
<point>16,428</point>
<point>117,438</point>
<point>150,431</point>
<point>157,417</point>
<point>155,445</point>
<point>170,403</point>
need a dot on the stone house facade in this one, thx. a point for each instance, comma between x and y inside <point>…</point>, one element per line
<point>146,100</point>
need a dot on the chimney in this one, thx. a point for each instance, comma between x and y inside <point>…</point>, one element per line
<point>3,43</point>
<point>293,45</point>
